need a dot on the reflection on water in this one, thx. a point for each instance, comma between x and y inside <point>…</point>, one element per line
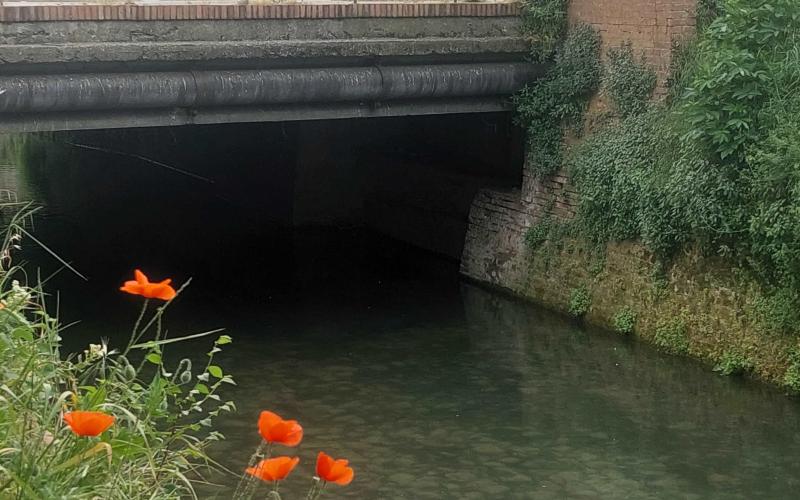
<point>433,388</point>
<point>456,392</point>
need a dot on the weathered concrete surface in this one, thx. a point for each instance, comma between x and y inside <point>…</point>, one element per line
<point>265,42</point>
<point>173,117</point>
<point>22,33</point>
<point>272,53</point>
<point>65,75</point>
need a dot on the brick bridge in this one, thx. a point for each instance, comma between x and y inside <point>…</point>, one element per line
<point>70,65</point>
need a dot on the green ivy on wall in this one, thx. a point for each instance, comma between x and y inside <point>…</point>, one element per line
<point>628,83</point>
<point>718,166</point>
<point>544,23</point>
<point>557,102</point>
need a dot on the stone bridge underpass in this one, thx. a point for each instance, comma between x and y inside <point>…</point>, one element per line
<point>77,65</point>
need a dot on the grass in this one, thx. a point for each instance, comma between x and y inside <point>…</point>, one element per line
<point>164,415</point>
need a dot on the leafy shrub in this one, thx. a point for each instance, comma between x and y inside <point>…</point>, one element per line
<point>733,363</point>
<point>778,311</point>
<point>774,177</point>
<point>653,177</point>
<point>741,63</point>
<point>706,12</point>
<point>579,301</point>
<point>629,84</point>
<point>547,107</point>
<point>544,23</point>
<point>671,337</point>
<point>624,320</point>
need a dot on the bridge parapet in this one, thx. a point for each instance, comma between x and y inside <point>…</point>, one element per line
<point>178,10</point>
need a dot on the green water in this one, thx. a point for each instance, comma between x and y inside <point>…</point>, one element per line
<point>432,387</point>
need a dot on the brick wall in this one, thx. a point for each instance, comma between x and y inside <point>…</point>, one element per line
<point>168,12</point>
<point>651,25</point>
<point>712,303</point>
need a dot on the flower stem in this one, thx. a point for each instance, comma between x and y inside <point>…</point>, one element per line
<point>132,341</point>
<point>315,491</point>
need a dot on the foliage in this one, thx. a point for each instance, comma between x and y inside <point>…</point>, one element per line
<point>733,363</point>
<point>791,378</point>
<point>684,53</point>
<point>629,84</point>
<point>624,320</point>
<point>579,301</point>
<point>538,233</point>
<point>636,180</point>
<point>557,101</point>
<point>774,177</point>
<point>671,336</point>
<point>706,12</point>
<point>164,417</point>
<point>777,311</point>
<point>544,23</point>
<point>719,168</point>
<point>743,62</point>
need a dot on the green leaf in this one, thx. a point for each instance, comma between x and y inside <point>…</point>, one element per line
<point>224,339</point>
<point>22,333</point>
<point>202,388</point>
<point>215,371</point>
<point>154,358</point>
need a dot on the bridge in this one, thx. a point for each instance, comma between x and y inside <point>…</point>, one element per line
<point>75,65</point>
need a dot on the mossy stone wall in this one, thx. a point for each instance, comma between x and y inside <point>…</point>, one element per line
<point>696,306</point>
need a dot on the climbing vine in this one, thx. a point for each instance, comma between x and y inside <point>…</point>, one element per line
<point>628,83</point>
<point>557,102</point>
<point>544,23</point>
<point>715,167</point>
<point>718,166</point>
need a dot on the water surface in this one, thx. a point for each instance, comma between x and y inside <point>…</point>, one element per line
<point>431,386</point>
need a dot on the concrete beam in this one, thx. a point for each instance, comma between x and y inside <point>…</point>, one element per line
<point>90,120</point>
<point>254,52</point>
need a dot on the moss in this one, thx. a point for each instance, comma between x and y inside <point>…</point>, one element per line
<point>692,305</point>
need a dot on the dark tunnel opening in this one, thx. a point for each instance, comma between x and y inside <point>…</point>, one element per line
<point>275,206</point>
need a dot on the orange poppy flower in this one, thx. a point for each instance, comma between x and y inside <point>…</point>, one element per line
<point>88,423</point>
<point>334,471</point>
<point>142,286</point>
<point>273,469</point>
<point>274,429</point>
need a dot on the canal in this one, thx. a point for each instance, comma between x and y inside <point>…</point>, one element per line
<point>433,387</point>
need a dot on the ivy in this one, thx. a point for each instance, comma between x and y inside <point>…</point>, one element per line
<point>628,84</point>
<point>718,166</point>
<point>557,102</point>
<point>544,23</point>
<point>539,233</point>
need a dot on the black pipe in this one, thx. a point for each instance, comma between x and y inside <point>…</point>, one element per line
<point>83,92</point>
